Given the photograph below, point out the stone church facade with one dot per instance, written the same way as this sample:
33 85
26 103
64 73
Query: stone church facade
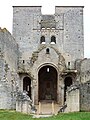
45 57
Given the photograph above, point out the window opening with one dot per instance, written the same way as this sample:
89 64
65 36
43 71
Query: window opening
48 69
68 65
53 40
67 83
23 61
47 51
42 40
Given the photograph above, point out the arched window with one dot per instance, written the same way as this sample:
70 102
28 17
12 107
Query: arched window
53 40
42 40
67 83
27 85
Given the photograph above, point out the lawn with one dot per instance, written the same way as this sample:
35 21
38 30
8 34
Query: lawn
12 115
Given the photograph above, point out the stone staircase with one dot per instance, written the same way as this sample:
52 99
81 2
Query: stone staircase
47 108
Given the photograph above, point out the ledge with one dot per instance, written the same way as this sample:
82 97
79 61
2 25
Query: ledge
70 6
26 6
69 71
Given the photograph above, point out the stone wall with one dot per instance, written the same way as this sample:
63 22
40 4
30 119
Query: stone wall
85 70
25 29
30 55
8 49
73 31
85 96
68 30
8 68
5 96
73 99
85 85
23 103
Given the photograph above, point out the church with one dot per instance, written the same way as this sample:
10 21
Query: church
43 60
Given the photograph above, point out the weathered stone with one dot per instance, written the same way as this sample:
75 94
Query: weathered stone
23 103
46 68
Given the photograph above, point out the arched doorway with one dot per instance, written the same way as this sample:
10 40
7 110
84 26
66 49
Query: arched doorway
67 83
27 85
47 77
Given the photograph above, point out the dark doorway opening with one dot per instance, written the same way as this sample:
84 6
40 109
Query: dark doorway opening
47 77
67 83
27 85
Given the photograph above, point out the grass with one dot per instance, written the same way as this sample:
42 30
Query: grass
12 115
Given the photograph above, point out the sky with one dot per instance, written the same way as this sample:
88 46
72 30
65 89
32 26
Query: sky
48 7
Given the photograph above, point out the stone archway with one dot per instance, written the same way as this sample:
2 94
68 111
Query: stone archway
67 83
47 83
27 85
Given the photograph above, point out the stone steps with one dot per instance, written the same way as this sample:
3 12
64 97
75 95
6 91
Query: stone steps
47 108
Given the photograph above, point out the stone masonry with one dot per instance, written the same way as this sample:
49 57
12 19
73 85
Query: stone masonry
45 57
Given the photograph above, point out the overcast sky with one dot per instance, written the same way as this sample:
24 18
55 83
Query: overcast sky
48 7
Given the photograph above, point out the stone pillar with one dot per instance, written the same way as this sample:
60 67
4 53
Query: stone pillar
23 103
53 109
73 99
18 106
62 94
34 92
36 95
60 91
23 106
